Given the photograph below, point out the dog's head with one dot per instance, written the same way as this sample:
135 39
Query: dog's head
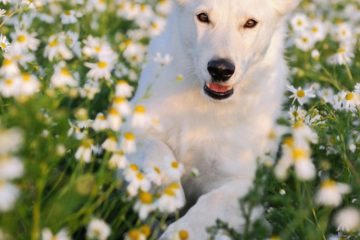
227 37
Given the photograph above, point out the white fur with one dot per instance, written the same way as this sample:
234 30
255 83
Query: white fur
222 139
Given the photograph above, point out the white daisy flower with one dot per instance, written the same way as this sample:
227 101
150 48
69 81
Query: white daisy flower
128 142
114 119
56 48
110 144
62 77
139 182
4 43
330 193
140 118
304 167
10 167
300 95
46 234
100 70
144 205
10 87
68 17
9 193
305 41
347 219
123 89
7 146
154 174
9 67
98 229
100 123
122 106
24 41
344 56
84 152
118 160
299 22
29 84
171 199
318 30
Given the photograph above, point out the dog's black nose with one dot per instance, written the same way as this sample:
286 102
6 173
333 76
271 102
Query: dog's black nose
221 69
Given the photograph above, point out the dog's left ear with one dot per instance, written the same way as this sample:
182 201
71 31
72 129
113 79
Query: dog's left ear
285 6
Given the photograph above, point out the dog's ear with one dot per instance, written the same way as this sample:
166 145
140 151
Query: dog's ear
285 6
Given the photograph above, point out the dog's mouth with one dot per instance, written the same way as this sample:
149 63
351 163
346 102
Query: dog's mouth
217 91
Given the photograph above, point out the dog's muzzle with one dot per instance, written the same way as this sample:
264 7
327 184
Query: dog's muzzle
217 91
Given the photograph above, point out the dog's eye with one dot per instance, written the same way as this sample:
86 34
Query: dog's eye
203 17
251 23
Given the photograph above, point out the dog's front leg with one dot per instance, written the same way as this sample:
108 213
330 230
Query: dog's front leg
221 203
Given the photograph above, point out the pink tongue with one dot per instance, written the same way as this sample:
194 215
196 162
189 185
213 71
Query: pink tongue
218 88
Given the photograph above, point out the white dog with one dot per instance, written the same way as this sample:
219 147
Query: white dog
217 119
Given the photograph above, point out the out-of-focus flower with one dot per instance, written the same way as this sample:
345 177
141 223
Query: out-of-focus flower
114 119
110 144
118 160
4 43
123 89
62 77
330 193
140 118
68 17
171 199
128 143
10 167
144 205
9 193
347 219
84 151
100 123
46 234
98 229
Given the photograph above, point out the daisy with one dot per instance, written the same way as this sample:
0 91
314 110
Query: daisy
296 114
128 143
10 140
144 205
164 7
154 174
299 22
118 160
347 219
46 234
68 17
174 170
98 229
9 67
134 52
123 89
10 167
100 69
114 119
171 199
157 26
300 95
330 193
10 87
9 193
4 44
84 151
344 56
62 77
304 167
56 48
350 100
29 84
184 235
122 106
140 119
100 123
139 182
110 144
23 40
318 30
305 41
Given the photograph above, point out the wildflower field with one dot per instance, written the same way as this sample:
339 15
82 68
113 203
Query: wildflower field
67 74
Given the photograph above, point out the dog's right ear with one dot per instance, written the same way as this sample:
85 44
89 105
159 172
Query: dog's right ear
285 6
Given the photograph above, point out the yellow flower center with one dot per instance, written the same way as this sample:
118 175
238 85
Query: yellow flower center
101 117
102 64
298 154
169 191
299 23
9 82
300 93
87 143
314 29
67 12
183 234
140 176
113 111
140 109
97 49
3 45
26 77
349 96
7 62
328 184
145 230
342 50
175 164
121 82
119 100
129 136
157 170
64 71
134 234
53 43
21 38
305 39
134 167
146 197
